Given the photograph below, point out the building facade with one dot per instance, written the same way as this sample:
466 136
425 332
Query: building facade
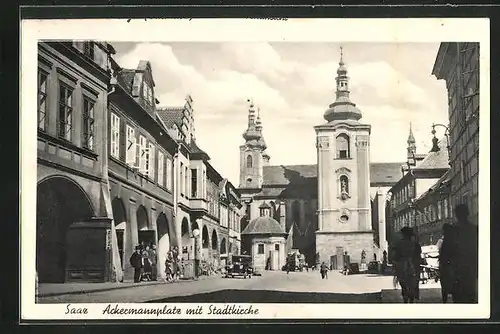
343 150
72 218
141 173
298 186
458 65
417 181
433 210
265 239
115 171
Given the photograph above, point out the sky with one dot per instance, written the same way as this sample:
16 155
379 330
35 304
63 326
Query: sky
293 84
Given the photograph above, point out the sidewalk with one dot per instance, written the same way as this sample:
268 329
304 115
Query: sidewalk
430 293
60 289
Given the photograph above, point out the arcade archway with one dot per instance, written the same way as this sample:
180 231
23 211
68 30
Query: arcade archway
205 242
223 246
60 203
164 242
185 235
145 235
215 241
120 220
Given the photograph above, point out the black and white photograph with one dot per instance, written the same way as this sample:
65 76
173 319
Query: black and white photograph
253 169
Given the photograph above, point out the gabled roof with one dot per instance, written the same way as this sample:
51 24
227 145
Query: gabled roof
263 225
283 175
380 173
385 172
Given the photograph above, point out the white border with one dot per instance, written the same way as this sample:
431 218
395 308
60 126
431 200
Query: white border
312 30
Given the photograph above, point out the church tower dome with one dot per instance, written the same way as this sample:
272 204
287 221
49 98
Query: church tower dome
343 108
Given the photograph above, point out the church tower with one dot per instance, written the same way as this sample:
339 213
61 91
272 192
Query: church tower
343 151
253 154
411 150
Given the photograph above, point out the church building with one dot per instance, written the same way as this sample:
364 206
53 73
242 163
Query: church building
326 207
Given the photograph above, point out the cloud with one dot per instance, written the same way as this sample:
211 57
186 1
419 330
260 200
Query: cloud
293 84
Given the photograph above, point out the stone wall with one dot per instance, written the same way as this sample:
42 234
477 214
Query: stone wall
354 243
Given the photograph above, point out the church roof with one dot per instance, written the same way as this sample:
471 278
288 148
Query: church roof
380 173
263 225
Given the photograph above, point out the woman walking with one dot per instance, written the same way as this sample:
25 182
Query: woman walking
324 271
404 256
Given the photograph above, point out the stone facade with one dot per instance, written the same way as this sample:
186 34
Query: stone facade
268 252
458 65
330 244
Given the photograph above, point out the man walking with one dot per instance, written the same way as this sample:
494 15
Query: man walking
136 263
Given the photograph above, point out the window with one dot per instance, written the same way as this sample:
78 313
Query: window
182 179
194 183
88 49
440 210
186 180
260 249
143 156
115 136
65 111
88 123
277 247
130 157
161 171
42 100
249 161
342 145
147 94
150 161
168 174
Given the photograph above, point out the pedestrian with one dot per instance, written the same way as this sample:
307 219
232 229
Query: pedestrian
153 259
403 259
287 265
418 261
169 273
136 263
466 264
447 258
146 264
324 270
384 262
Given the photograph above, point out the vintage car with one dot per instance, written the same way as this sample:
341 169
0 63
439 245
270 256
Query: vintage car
240 265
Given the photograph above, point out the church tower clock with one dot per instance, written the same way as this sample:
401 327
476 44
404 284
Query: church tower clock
343 152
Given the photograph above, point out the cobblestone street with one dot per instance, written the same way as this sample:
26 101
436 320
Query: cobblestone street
271 287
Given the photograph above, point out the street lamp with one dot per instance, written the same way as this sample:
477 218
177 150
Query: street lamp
435 147
196 234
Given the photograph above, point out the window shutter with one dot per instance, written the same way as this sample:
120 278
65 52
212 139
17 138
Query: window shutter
122 141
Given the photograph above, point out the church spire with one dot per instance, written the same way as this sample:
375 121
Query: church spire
343 108
251 132
412 147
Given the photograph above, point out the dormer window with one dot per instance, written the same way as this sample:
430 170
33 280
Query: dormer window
264 212
88 49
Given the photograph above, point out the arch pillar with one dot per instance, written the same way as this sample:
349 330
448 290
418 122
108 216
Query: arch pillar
132 235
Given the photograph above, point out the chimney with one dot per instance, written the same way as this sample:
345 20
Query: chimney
283 216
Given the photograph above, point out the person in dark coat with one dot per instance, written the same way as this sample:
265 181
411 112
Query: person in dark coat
153 259
324 270
447 259
404 260
136 263
466 265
